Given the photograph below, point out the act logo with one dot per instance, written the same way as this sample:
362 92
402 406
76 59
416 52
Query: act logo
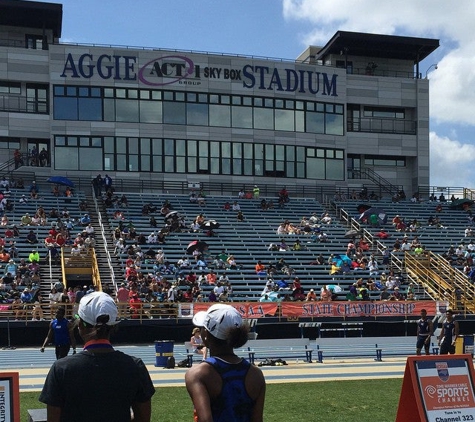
167 70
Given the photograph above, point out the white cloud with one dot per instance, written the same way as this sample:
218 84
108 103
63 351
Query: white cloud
451 162
451 22
452 92
452 86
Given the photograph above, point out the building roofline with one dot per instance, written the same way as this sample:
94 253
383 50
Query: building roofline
32 14
379 46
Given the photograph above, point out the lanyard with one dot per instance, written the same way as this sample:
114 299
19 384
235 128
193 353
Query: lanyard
97 344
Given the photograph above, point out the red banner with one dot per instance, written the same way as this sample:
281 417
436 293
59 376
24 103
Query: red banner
246 309
332 309
359 309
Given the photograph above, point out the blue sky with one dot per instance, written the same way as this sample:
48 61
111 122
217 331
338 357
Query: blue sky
284 28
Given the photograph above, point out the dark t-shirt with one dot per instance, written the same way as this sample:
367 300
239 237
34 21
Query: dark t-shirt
99 387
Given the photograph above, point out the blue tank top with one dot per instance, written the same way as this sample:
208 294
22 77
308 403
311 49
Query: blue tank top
449 331
423 325
61 332
233 403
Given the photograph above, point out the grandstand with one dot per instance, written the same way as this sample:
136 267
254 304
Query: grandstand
249 242
365 129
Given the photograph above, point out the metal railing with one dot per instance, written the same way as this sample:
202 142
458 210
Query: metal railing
106 244
378 125
443 281
383 184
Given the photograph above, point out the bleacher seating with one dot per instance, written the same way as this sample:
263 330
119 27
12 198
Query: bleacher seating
248 241
48 201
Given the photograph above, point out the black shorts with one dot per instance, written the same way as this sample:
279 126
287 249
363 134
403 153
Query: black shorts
421 344
62 351
447 348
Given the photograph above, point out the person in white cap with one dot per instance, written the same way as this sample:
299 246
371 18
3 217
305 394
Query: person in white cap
225 387
98 384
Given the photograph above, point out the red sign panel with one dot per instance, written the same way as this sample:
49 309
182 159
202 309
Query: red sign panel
331 309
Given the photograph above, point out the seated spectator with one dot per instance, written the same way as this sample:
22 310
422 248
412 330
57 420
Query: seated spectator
34 256
322 237
240 216
201 264
37 311
326 219
236 206
284 195
11 268
201 199
397 295
297 246
25 220
283 247
373 267
34 190
123 201
335 269
325 294
311 296
405 245
26 297
363 244
85 220
152 238
193 198
212 296
9 233
265 298
18 308
227 206
4 256
383 234
232 264
281 230
397 246
260 269
211 278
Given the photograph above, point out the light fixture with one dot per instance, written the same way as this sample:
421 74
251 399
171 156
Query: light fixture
430 67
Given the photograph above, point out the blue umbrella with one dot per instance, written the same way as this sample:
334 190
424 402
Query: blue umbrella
382 216
61 180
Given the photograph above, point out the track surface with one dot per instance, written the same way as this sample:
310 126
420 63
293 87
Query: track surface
32 365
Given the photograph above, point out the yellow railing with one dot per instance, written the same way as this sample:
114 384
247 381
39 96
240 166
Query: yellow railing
441 280
140 312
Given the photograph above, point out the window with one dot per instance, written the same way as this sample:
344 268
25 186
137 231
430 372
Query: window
385 161
194 109
35 42
12 88
384 113
37 98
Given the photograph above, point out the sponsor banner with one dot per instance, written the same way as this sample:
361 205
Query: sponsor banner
9 397
331 309
358 309
447 390
246 309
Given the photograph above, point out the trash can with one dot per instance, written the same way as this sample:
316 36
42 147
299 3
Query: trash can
163 350
464 344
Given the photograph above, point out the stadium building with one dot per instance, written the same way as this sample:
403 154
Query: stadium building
351 113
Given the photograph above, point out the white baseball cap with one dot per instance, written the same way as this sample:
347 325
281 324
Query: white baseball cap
218 320
95 305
